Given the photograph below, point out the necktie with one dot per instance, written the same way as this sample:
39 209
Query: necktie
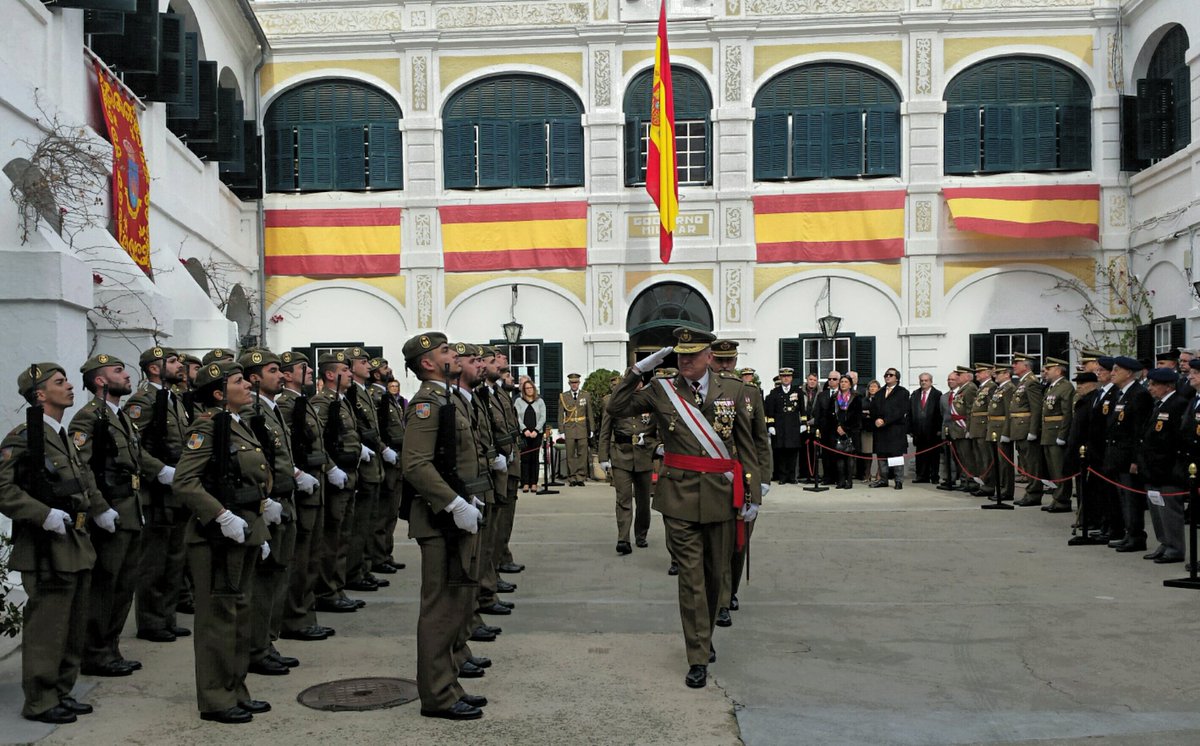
924 398
696 393
575 395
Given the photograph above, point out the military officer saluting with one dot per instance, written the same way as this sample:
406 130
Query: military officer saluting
577 424
1058 407
1025 424
46 491
627 452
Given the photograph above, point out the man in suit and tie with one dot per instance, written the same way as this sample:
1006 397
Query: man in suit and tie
925 424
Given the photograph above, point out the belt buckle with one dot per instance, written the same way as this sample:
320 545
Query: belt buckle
135 481
80 521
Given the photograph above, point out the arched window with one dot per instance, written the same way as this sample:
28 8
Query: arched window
513 131
826 121
1164 99
1018 114
693 107
333 134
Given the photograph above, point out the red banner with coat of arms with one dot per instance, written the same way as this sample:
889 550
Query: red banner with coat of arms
130 178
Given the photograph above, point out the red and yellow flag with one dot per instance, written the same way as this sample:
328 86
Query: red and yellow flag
131 178
661 182
830 227
348 242
532 235
1047 211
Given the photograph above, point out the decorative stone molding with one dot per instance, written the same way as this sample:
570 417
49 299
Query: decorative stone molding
924 3
307 22
602 78
923 290
923 51
604 226
420 83
733 222
424 301
493 15
604 294
923 216
733 73
977 4
733 295
422 230
820 7
1118 212
600 9
419 19
1114 60
733 7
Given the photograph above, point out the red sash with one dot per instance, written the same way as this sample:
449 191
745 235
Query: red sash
706 465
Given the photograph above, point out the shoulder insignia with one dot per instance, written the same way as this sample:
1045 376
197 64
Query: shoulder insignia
135 411
79 438
421 410
195 440
6 453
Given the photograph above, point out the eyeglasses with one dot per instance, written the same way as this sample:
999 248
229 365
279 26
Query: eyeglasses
889 375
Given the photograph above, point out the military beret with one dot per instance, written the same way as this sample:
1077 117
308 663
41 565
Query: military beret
690 341
218 353
463 349
356 353
1105 361
1086 377
375 363
216 371
329 358
421 344
35 375
725 348
257 359
1168 355
786 372
487 351
746 372
155 354
1128 363
1194 363
1057 361
290 358
95 362
1163 375
573 377
963 369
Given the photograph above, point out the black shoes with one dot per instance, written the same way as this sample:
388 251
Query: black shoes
56 715
337 605
480 661
231 716
1158 552
723 618
255 706
733 602
459 711
1136 545
1057 507
624 548
482 634
673 569
496 609
286 660
470 671
697 677
185 607
1168 559
78 708
503 586
898 485
506 604
1028 502
363 585
474 700
946 486
110 669
157 635
510 567
308 634
878 483
387 568
642 543
269 667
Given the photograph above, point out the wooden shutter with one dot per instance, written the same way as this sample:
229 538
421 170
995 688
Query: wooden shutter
350 153
1129 135
495 154
458 154
385 154
532 154
1179 333
961 141
863 360
281 159
172 59
809 144
122 6
634 174
1145 342
883 141
246 181
845 142
999 147
136 50
982 350
188 104
1156 119
552 377
1036 136
791 353
770 146
566 152
1075 137
315 157
1057 344
1181 85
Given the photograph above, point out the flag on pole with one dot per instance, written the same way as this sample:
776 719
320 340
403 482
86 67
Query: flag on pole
661 182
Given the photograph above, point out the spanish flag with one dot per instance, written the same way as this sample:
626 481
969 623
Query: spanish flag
1051 211
830 227
538 235
661 182
351 242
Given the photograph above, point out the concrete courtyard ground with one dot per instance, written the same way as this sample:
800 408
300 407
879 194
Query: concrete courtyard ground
871 617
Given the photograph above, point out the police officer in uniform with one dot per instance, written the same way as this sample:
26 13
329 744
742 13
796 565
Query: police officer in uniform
444 522
345 450
998 433
109 446
49 503
1058 407
577 425
983 448
374 455
1025 425
627 452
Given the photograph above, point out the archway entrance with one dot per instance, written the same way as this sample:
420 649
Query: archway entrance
661 308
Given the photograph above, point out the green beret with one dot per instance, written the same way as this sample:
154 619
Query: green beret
215 372
462 348
190 359
219 353
328 358
356 353
375 363
289 359
156 354
422 343
257 359
95 362
35 375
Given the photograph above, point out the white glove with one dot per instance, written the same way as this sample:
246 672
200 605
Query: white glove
606 466
771 430
232 526
336 477
166 475
651 362
1059 442
390 456
107 521
365 455
499 464
306 483
266 549
978 480
1005 439
507 461
765 488
272 512
641 441
660 451
1031 437
803 429
477 502
466 515
591 435
57 521
749 512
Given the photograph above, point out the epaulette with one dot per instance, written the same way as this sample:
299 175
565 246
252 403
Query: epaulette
730 376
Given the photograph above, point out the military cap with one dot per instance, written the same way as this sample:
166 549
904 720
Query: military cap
1001 368
375 363
1021 357
1194 363
1163 375
725 348
216 371
1086 377
328 358
1168 355
1090 353
1128 363
422 343
463 349
190 359
257 359
746 371
95 362
219 353
690 341
1057 361
963 369
290 358
487 351
983 366
1105 361
356 353
155 354
573 377
786 372
775 379
35 375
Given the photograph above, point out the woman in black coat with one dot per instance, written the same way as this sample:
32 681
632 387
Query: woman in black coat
848 418
890 410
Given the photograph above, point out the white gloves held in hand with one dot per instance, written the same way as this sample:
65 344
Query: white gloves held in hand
266 549
365 455
166 475
499 463
606 466
390 456
765 488
1031 437
749 512
660 451
466 515
1059 442
272 512
651 361
107 521
336 477
306 483
771 430
1005 439
57 521
232 526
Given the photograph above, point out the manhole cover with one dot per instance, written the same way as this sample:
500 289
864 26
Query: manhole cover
375 693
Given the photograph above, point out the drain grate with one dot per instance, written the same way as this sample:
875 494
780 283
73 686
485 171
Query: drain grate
373 693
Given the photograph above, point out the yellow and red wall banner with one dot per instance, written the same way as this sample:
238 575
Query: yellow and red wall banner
830 227
130 177
538 235
1050 211
348 242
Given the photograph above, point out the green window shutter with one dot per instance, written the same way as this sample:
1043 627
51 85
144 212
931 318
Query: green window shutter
566 152
552 378
531 154
1179 333
242 175
123 6
386 156
101 22
202 129
864 358
1037 125
221 145
136 50
1075 137
172 59
236 161
458 154
961 141
1144 341
1156 120
791 353
1181 84
495 154
351 164
808 144
999 146
845 142
1129 135
883 141
281 159
188 104
981 349
634 165
770 146
315 157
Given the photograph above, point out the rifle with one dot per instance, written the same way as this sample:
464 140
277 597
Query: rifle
302 451
103 447
383 413
333 432
222 476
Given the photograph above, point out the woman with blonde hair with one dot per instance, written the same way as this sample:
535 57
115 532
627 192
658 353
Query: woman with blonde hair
531 414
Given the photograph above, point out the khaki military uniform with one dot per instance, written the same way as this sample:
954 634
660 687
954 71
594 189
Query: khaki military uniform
506 504
449 556
497 422
1058 406
365 507
697 508
54 569
752 399
960 435
983 448
1025 419
162 560
391 430
222 570
1001 477
335 535
628 443
298 612
116 475
576 423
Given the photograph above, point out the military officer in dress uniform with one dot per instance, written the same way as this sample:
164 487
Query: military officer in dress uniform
506 512
49 503
1025 425
1058 407
306 434
961 400
345 450
787 423
109 446
474 381
1124 428
503 420
982 447
627 452
161 421
391 431
1002 472
577 425
708 440
370 475
224 480
442 511
1158 465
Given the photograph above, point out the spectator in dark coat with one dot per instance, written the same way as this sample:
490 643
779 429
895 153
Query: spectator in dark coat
925 424
846 423
826 423
866 437
890 410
